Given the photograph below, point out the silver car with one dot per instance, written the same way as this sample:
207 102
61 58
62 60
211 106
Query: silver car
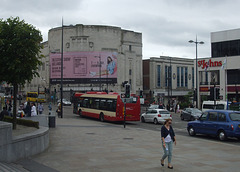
156 116
190 114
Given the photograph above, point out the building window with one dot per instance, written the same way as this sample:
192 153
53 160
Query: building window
206 77
43 66
186 77
130 71
182 76
130 81
193 77
178 77
130 47
226 48
158 75
168 74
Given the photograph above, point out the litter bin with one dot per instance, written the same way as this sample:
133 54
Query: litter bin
52 121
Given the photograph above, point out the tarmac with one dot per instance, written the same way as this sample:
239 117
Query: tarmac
87 145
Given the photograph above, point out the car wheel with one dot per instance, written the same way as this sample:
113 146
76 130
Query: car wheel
222 135
182 118
155 121
191 131
142 119
101 117
192 118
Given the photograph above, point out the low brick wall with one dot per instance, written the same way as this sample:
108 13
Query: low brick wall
13 148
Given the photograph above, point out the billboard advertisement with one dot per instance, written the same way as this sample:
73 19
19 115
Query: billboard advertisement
84 67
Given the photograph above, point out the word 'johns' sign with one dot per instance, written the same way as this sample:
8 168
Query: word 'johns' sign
205 64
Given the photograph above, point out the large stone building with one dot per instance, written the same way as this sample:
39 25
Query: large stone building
167 78
87 52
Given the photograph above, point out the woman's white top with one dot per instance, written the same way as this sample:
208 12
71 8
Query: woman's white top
33 111
168 139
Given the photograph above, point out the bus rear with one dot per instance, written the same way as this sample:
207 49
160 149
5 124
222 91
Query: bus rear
32 97
133 109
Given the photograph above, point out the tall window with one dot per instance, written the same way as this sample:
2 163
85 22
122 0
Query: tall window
186 77
193 77
166 76
158 75
206 77
178 77
182 76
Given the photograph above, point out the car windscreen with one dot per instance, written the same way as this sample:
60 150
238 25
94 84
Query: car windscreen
234 116
153 107
163 112
196 111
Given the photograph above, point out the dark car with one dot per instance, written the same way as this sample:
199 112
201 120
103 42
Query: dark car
190 114
220 123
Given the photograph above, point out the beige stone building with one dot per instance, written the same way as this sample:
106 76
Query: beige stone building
167 78
124 45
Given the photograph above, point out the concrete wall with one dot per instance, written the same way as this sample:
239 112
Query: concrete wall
22 146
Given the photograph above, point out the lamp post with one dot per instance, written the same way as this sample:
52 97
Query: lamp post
61 111
196 42
100 82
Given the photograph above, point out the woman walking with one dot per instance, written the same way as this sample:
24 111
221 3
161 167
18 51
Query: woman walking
168 137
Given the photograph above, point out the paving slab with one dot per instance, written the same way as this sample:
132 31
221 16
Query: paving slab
88 145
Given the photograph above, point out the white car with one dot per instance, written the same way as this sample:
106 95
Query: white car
65 102
156 116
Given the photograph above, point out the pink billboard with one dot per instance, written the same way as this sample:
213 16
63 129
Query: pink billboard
84 67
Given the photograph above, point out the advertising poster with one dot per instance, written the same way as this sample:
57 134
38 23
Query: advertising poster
84 67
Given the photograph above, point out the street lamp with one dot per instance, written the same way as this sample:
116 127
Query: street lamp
196 42
100 82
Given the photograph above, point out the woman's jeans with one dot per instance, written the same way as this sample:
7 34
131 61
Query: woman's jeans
168 151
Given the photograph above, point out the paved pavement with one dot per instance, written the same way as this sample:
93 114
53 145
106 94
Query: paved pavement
86 145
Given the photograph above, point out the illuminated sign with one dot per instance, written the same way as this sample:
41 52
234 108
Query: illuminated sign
210 63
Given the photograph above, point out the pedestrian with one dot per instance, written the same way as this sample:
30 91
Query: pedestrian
10 108
33 110
178 108
168 137
59 110
27 110
40 108
50 108
3 113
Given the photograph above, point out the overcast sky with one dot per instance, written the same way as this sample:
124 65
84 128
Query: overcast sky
166 25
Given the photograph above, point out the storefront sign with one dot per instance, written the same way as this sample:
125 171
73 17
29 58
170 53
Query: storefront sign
210 63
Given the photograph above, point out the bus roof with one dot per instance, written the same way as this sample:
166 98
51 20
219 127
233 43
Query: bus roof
112 96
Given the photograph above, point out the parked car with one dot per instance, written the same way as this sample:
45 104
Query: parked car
65 102
209 105
220 123
156 116
190 114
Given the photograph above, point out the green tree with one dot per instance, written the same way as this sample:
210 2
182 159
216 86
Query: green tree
20 45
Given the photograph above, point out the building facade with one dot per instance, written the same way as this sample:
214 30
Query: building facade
223 68
167 78
87 53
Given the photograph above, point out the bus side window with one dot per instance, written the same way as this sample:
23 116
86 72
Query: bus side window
109 105
96 104
114 105
85 102
103 104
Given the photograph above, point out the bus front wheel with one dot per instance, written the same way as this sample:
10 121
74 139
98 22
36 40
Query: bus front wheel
101 117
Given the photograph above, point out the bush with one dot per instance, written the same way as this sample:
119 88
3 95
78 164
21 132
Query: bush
24 122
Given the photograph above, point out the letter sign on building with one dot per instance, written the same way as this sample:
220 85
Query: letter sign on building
205 64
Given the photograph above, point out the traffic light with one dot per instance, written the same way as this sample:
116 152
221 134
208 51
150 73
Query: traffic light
141 94
194 95
217 93
212 93
127 90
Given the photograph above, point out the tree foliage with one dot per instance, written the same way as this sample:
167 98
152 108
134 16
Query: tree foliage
19 51
20 45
